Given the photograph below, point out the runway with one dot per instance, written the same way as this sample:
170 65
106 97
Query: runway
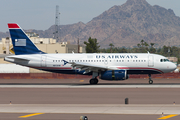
91 108
75 98
54 116
89 95
89 86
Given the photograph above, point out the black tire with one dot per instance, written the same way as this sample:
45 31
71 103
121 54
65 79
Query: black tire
93 81
150 81
96 81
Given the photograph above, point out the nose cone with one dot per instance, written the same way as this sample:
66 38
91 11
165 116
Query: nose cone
173 66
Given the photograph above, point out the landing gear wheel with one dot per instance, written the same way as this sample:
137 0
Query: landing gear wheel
96 81
93 81
150 81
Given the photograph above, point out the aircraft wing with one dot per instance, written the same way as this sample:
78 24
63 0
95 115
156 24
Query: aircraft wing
88 67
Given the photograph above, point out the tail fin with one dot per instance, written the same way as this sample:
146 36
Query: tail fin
21 42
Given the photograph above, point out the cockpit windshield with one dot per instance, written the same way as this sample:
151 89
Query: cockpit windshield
164 60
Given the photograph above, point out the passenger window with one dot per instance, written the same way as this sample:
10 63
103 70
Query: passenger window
99 60
91 60
102 60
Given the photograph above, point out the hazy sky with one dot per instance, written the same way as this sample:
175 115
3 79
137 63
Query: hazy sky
40 14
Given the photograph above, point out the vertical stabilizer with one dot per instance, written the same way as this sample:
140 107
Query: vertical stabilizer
21 42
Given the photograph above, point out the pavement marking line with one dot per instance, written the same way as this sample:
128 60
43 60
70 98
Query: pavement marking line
30 115
168 116
81 81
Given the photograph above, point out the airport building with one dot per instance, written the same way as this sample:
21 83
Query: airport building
47 45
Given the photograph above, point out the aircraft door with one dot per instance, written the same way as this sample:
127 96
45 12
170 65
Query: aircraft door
150 61
43 61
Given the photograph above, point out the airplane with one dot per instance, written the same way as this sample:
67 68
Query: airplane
106 66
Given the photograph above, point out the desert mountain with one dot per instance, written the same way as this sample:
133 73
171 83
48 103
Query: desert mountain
125 25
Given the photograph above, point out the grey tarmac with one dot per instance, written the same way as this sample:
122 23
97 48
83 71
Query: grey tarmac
91 108
57 116
69 99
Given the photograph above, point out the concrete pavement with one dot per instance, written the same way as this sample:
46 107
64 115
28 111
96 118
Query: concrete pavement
91 108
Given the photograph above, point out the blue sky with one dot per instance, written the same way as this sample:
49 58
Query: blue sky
40 14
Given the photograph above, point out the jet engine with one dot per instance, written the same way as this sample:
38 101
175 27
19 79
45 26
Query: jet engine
113 75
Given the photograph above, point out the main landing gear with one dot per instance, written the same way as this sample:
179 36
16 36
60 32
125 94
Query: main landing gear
150 80
93 81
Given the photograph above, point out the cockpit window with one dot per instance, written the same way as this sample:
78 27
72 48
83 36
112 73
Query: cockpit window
164 60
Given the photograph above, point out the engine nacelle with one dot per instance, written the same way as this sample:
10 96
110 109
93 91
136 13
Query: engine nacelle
114 75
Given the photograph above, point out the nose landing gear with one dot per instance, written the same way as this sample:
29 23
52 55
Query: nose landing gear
150 80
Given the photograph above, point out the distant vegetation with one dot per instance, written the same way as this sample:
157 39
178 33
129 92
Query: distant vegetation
142 47
92 45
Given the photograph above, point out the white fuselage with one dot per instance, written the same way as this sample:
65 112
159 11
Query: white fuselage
134 63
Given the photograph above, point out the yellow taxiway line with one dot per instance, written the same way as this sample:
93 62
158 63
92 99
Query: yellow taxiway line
168 116
30 115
